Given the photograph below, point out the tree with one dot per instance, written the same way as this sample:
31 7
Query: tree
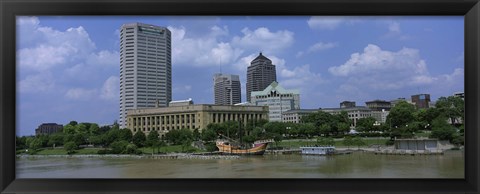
69 128
119 147
125 134
178 136
79 139
307 129
343 128
185 144
21 142
94 129
35 144
358 141
442 130
70 147
131 149
348 141
365 124
153 140
196 135
208 134
56 139
139 139
399 117
451 107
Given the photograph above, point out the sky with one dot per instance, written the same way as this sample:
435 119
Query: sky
68 66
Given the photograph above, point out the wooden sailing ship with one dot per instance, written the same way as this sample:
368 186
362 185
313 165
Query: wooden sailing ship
258 147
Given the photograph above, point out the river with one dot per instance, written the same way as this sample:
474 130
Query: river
355 165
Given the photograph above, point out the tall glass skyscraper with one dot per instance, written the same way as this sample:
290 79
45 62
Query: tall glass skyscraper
260 74
145 67
227 90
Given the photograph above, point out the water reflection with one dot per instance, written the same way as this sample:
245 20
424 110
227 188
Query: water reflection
356 165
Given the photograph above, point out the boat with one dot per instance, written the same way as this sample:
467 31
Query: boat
318 150
258 147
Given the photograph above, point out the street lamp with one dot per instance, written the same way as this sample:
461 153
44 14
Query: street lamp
286 131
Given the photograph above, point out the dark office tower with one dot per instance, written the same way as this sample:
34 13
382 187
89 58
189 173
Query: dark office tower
421 100
145 67
227 90
260 74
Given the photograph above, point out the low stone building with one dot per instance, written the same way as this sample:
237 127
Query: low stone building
190 116
48 128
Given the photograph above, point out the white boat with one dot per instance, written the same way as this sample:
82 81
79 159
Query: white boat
318 150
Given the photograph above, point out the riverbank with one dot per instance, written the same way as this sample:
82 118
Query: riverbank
128 156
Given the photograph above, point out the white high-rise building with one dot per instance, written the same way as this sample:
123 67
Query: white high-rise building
278 100
145 67
226 89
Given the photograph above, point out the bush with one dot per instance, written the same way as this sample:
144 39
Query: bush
211 147
70 147
101 152
119 147
131 149
390 142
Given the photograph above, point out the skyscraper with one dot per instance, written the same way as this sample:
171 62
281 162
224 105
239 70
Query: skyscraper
260 74
145 67
227 89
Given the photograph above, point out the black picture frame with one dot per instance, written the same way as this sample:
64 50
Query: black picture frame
470 9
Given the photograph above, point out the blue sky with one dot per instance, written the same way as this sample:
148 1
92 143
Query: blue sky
68 67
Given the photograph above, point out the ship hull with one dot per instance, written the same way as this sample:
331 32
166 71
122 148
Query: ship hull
259 149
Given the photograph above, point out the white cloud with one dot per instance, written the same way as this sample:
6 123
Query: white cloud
394 27
301 77
395 31
262 39
43 48
105 58
110 89
379 70
37 83
320 46
81 94
206 51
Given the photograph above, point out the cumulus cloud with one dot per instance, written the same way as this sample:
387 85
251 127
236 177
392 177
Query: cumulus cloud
110 89
206 51
320 46
395 31
37 83
264 40
104 58
301 77
378 70
81 94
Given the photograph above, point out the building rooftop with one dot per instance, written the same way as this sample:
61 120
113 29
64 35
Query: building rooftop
274 86
261 57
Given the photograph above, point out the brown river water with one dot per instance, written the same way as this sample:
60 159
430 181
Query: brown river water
355 165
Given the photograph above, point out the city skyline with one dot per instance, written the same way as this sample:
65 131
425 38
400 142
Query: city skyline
68 67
